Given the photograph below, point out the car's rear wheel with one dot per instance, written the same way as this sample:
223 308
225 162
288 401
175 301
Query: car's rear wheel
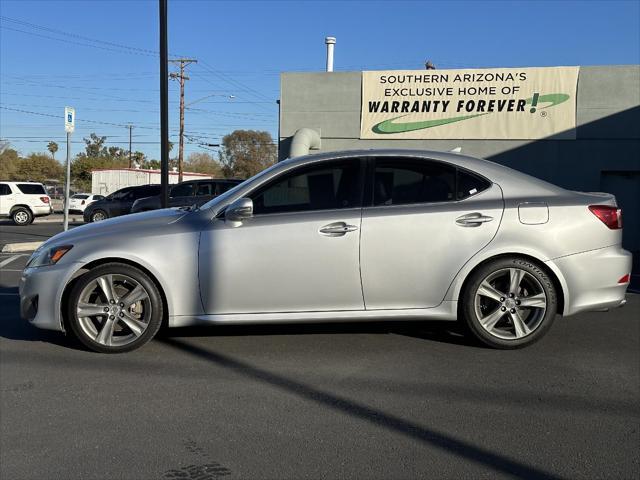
509 303
115 308
22 216
98 216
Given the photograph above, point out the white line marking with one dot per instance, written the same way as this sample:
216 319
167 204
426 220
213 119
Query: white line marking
10 259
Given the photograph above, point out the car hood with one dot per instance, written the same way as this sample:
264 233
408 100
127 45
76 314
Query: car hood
124 226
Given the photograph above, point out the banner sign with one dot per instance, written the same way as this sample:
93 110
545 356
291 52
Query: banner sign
495 103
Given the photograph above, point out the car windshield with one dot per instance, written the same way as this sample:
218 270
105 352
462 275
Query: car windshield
222 198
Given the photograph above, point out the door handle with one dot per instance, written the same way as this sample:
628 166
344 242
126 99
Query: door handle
473 220
337 229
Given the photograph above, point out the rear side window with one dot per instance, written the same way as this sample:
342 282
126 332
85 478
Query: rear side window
403 182
32 189
80 197
470 184
223 187
205 189
5 189
98 197
182 190
147 191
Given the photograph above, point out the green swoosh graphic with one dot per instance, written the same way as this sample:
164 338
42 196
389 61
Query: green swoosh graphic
554 98
389 127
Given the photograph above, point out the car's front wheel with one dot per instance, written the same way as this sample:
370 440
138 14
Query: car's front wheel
98 216
115 308
509 303
22 216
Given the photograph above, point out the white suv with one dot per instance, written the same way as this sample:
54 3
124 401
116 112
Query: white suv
23 201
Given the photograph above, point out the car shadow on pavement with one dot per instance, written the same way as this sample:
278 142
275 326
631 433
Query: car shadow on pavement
436 331
14 328
440 440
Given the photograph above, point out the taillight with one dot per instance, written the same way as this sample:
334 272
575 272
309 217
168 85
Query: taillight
625 279
610 216
44 199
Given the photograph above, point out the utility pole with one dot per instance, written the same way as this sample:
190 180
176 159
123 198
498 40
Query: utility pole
164 105
130 127
182 77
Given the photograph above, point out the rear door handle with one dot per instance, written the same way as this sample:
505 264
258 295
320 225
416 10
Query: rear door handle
473 219
337 229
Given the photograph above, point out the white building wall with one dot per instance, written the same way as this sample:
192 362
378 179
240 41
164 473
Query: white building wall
104 182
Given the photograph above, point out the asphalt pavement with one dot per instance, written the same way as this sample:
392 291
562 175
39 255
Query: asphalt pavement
373 400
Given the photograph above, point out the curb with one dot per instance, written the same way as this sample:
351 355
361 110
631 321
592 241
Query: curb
21 247
58 220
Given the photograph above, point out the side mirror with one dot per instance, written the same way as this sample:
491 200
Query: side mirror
239 210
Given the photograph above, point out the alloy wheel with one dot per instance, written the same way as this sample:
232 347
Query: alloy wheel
510 303
114 310
98 216
21 217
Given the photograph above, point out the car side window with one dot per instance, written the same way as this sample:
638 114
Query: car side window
144 192
222 187
121 194
470 184
182 190
404 181
205 189
5 189
327 186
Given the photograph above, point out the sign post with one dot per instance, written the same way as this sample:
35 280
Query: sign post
69 125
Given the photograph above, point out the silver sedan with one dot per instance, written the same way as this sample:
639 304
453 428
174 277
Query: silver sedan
350 236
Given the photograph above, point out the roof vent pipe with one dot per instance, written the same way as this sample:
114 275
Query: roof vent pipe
304 140
330 42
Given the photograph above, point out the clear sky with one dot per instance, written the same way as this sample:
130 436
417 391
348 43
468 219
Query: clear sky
100 56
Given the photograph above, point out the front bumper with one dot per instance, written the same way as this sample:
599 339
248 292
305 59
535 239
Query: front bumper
41 291
591 279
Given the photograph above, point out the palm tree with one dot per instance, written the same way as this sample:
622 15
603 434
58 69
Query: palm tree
53 148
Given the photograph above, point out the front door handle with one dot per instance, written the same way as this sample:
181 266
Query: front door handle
337 229
473 219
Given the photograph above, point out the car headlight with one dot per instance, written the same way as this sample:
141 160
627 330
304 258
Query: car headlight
48 256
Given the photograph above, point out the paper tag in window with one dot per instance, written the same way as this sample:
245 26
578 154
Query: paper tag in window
473 191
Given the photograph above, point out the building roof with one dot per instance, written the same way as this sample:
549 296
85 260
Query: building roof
186 174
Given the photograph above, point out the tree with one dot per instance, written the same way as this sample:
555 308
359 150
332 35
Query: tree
39 167
53 148
201 162
8 163
96 155
246 152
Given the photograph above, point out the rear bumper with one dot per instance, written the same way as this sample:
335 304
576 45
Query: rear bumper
591 279
41 211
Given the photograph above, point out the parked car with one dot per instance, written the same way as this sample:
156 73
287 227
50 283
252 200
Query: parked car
23 201
80 201
353 236
192 192
118 203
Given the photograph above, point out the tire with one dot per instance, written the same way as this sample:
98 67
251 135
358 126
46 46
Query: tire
22 216
504 317
124 326
98 216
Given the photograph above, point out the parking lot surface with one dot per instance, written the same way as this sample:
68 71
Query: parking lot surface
367 401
